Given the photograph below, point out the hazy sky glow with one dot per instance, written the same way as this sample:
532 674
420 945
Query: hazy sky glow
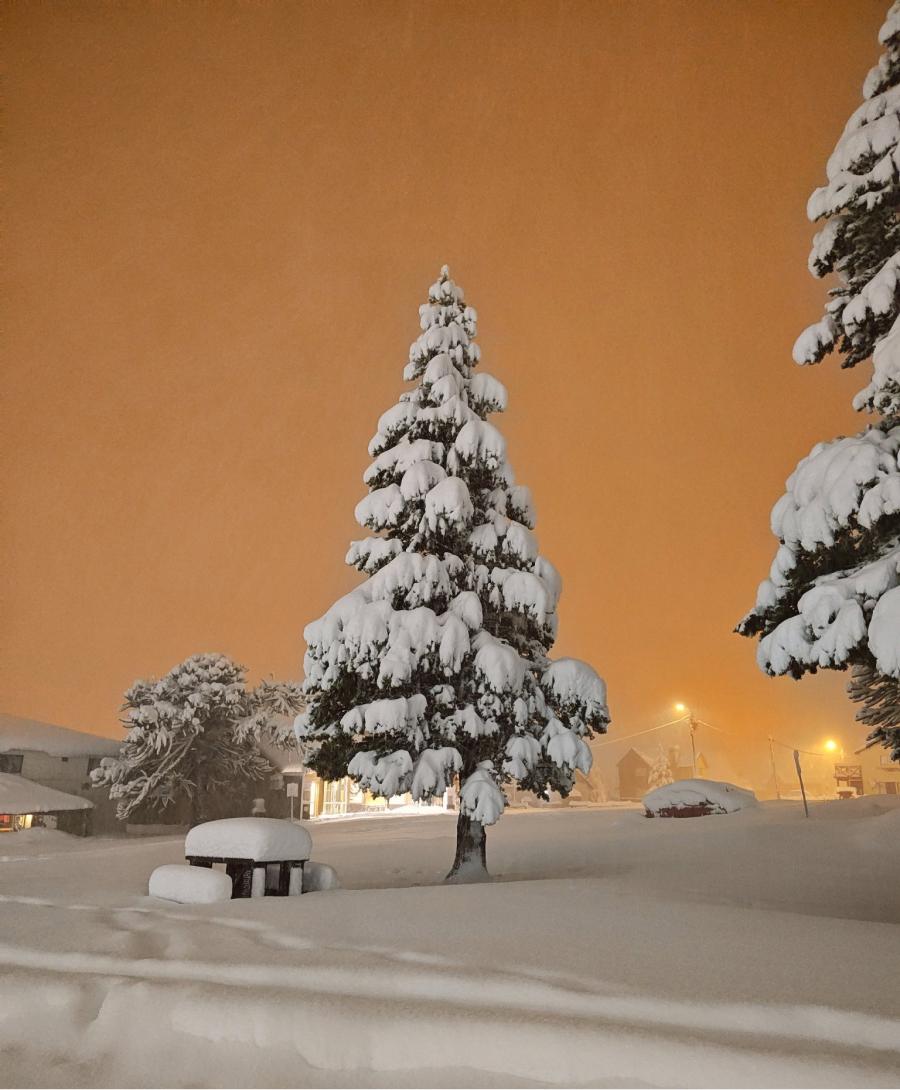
221 219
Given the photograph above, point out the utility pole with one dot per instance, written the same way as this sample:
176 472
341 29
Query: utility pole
774 770
693 726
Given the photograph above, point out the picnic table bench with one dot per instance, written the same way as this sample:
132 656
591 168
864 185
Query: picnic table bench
249 848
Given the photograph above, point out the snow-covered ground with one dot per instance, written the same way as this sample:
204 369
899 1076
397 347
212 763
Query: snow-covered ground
748 949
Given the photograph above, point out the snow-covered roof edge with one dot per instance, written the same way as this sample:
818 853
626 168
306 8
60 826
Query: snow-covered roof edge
19 734
21 796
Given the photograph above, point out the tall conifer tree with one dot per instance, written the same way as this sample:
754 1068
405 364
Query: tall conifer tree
832 598
437 665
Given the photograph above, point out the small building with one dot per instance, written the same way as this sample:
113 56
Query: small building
25 804
870 772
634 775
60 759
316 797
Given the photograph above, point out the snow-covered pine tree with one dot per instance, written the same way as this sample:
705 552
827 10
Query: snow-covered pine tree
832 598
661 770
437 665
193 734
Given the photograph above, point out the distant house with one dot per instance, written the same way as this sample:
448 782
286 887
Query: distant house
321 798
683 764
59 759
871 772
25 804
634 775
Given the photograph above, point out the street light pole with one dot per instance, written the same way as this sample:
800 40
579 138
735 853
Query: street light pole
688 714
774 771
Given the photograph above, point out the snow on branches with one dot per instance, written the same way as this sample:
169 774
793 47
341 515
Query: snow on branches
436 665
832 598
193 733
860 239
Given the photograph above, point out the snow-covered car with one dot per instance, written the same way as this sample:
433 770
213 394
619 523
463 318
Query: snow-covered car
697 798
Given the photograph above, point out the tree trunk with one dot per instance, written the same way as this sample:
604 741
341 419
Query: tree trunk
200 798
470 864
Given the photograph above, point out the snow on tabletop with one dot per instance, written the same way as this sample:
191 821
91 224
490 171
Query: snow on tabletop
21 796
190 885
724 798
265 840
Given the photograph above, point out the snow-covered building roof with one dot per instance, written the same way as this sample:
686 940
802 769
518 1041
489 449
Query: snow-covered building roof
286 760
21 796
18 734
641 756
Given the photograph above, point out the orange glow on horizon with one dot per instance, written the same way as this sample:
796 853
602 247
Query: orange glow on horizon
221 222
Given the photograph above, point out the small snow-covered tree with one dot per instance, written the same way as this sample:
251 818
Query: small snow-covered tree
437 665
661 770
193 734
832 598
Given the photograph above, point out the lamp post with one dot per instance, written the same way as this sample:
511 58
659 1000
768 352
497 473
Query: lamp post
683 709
774 769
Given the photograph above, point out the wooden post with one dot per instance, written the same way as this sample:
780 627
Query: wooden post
284 879
800 778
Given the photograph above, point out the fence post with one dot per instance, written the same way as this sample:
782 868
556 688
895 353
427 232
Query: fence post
800 778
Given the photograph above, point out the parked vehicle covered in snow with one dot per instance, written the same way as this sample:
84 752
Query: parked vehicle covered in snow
697 798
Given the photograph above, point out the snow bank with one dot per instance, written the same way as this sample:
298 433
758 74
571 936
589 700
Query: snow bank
264 840
598 983
190 885
723 798
319 876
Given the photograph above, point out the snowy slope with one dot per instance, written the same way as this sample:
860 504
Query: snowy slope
612 950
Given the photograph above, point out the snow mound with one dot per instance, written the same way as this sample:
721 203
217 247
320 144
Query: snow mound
190 885
319 876
717 796
264 840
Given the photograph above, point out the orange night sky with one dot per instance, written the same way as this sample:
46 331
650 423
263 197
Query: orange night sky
220 221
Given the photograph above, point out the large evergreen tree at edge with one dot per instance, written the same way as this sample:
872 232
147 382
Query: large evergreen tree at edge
437 665
832 598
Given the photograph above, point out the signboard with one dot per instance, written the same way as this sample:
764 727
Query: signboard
293 790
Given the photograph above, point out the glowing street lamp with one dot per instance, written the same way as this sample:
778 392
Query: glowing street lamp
684 710
831 746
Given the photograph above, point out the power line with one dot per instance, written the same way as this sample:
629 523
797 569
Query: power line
637 734
808 752
711 726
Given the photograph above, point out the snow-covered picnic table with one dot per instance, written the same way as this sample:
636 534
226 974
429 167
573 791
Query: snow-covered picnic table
248 847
